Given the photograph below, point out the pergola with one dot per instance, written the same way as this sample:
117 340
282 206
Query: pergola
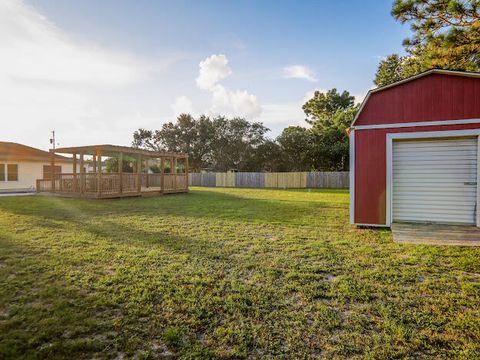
108 171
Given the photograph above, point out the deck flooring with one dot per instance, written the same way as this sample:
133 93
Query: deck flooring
436 234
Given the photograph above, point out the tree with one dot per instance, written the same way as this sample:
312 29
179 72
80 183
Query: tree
297 144
389 70
129 162
268 156
188 135
446 33
219 143
395 68
330 114
143 138
321 106
332 150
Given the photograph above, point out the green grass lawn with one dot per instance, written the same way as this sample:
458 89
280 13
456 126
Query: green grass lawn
226 273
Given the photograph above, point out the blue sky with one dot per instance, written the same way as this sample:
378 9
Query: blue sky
114 66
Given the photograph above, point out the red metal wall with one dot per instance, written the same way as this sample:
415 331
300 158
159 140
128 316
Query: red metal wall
429 98
371 170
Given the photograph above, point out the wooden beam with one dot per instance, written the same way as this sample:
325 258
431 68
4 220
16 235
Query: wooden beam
52 169
186 171
99 175
74 173
82 174
139 174
174 166
162 176
120 171
95 163
113 149
147 184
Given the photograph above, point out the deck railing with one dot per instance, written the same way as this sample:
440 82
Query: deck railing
112 184
152 180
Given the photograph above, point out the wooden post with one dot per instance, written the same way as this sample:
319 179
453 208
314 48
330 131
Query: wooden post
74 187
94 163
174 166
82 174
99 175
162 174
120 171
139 174
147 183
186 172
60 182
52 169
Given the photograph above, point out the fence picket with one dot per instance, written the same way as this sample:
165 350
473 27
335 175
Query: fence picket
280 180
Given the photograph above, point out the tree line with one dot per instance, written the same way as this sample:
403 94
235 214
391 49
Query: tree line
446 35
222 144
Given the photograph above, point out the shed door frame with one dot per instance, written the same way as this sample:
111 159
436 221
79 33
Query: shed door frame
426 135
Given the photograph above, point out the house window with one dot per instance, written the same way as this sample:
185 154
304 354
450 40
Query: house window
12 172
47 172
2 172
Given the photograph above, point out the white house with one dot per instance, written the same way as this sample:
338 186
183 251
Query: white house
21 166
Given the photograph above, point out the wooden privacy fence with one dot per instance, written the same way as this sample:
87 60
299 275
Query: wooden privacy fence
282 180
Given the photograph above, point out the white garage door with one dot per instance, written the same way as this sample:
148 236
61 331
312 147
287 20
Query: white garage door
435 180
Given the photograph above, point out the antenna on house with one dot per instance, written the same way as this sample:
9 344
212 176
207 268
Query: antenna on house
52 139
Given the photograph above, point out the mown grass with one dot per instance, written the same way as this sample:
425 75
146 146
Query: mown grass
226 273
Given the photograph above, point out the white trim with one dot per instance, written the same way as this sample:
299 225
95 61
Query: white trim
352 176
477 210
433 134
388 190
417 124
362 105
416 135
411 78
373 225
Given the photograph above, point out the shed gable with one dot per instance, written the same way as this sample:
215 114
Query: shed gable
432 97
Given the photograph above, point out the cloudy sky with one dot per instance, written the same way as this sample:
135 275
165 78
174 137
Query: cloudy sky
95 71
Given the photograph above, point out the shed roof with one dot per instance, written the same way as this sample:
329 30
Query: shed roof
10 151
410 79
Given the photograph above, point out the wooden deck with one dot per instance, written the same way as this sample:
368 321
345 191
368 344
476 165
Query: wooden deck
436 234
113 171
113 185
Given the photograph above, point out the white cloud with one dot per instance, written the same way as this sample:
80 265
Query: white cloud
49 80
182 105
277 116
212 70
33 49
299 72
379 57
234 103
225 101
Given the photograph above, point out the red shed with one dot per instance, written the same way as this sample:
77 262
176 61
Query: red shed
414 151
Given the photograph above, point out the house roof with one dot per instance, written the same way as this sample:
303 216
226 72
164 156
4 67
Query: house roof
10 151
412 78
